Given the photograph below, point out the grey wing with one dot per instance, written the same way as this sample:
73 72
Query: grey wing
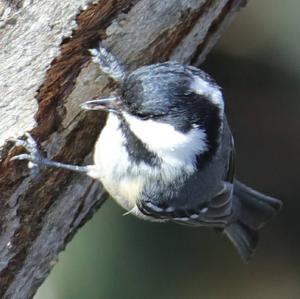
216 212
219 207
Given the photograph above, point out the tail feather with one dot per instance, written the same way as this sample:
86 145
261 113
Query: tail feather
243 238
251 211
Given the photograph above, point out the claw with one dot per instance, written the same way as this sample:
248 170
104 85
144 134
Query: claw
21 157
33 156
36 160
18 142
30 140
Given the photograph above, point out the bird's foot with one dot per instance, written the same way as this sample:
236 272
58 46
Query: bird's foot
33 155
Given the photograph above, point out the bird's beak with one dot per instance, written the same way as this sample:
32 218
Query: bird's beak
111 104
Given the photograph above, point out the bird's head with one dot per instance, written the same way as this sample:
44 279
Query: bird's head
169 106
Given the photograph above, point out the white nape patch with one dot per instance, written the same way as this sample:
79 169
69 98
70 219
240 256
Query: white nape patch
173 147
213 93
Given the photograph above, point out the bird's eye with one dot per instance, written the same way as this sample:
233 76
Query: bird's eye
149 116
146 116
142 115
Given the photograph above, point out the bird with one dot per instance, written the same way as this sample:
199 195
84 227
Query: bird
166 152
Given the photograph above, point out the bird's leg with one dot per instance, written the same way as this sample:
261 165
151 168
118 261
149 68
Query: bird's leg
36 160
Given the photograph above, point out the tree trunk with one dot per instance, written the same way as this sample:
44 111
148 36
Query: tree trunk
46 73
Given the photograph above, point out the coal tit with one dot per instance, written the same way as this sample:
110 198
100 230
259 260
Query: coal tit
166 152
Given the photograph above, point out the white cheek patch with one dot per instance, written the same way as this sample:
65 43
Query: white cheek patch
168 143
213 94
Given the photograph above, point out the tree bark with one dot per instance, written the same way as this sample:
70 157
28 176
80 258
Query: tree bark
46 73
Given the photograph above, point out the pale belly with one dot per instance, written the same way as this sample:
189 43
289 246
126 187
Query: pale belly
123 179
118 176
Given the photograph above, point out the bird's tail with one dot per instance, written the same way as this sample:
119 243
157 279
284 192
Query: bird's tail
251 211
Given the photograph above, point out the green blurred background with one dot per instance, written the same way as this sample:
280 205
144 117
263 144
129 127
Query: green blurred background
257 62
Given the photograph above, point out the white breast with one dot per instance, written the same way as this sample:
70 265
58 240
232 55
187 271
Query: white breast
124 179
114 167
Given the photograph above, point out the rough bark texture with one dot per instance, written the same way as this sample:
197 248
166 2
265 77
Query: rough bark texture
45 74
